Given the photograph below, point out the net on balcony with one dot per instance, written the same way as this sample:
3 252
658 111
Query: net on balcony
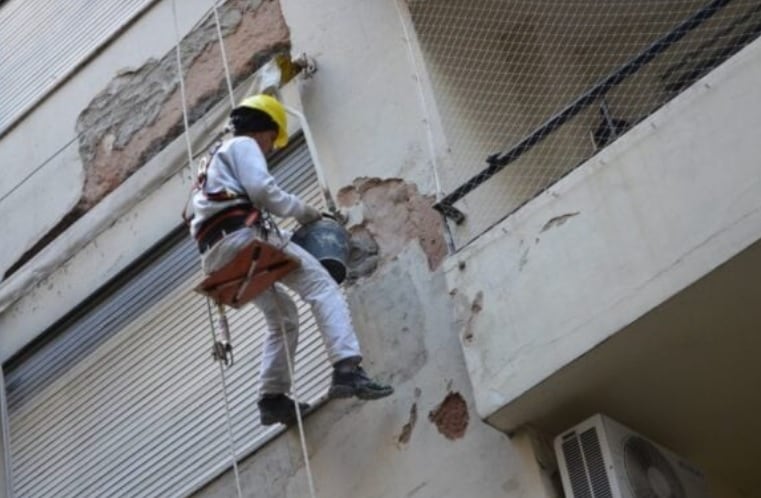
529 89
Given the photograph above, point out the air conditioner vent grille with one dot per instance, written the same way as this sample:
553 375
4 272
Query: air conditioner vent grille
598 474
575 464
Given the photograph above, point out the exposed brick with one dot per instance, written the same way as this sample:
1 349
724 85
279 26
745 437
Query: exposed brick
393 214
451 416
140 111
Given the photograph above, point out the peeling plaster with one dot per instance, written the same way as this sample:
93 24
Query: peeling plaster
394 213
363 254
475 308
451 416
404 436
140 111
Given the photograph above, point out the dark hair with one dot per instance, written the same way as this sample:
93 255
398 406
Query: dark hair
247 120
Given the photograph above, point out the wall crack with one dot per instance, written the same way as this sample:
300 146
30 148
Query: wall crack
558 221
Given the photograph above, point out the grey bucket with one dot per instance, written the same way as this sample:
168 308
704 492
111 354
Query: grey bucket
328 241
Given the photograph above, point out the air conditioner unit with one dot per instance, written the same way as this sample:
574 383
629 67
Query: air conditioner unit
600 458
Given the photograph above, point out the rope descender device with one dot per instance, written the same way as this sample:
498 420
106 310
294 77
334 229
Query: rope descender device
222 350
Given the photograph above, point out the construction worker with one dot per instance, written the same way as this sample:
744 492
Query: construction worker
238 183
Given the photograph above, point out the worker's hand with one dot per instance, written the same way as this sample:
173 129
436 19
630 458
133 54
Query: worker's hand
309 215
336 216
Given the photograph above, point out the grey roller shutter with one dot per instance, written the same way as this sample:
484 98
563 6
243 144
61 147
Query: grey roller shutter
43 41
126 401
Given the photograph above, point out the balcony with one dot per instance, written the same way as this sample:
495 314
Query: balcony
629 286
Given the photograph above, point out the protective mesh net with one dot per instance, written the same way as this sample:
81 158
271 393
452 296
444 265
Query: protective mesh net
542 85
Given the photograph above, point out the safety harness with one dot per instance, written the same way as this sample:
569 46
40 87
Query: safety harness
227 220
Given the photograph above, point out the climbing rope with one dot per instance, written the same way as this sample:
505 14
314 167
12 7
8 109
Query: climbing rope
228 79
230 436
208 305
299 420
182 85
283 331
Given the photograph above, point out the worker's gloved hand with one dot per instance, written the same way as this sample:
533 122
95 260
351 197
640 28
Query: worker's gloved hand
309 215
336 216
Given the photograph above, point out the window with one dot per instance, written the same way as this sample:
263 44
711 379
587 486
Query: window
124 398
41 43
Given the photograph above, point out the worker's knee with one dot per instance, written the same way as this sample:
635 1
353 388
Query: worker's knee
290 314
319 286
278 309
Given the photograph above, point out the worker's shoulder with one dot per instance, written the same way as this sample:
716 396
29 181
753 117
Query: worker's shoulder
239 141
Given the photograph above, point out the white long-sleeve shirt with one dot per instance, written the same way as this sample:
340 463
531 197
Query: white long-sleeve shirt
239 167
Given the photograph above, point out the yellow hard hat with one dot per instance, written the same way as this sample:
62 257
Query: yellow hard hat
275 110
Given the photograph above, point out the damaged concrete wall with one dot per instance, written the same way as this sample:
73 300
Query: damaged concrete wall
426 440
384 215
140 112
392 448
372 135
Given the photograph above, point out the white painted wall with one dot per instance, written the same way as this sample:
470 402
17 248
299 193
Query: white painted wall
670 201
365 105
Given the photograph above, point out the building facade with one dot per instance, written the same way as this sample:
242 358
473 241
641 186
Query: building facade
555 210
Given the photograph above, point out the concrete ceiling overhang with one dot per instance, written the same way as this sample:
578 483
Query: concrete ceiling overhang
686 374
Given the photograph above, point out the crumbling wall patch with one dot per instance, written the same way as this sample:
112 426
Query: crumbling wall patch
393 213
475 308
404 436
363 254
451 417
558 220
140 111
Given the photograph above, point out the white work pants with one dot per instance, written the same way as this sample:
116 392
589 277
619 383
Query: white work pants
314 285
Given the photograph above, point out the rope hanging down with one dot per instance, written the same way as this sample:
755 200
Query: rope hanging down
222 50
183 100
296 400
299 419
